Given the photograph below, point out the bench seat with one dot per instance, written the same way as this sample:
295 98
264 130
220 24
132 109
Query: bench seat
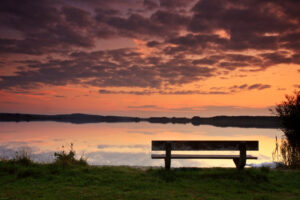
192 156
170 146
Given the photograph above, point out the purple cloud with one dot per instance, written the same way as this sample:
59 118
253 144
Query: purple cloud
189 41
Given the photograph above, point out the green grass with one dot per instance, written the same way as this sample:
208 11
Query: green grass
53 181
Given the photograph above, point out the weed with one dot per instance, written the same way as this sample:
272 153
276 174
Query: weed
23 156
68 159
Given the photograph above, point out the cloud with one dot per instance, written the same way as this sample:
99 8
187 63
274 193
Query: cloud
212 91
245 87
162 92
144 106
182 41
297 86
258 86
46 29
143 92
142 132
280 89
122 67
172 4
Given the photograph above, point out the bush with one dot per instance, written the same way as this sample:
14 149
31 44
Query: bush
23 156
289 114
68 159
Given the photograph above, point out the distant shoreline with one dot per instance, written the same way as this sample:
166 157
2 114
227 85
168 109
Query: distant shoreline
219 121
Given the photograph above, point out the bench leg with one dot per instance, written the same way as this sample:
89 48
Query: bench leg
167 163
168 157
239 163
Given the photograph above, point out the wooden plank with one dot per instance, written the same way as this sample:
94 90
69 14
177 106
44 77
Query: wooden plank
205 145
193 156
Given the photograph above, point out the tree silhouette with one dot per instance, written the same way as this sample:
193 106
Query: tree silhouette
289 114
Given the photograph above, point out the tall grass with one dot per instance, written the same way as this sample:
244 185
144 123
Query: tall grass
67 159
62 158
23 156
289 114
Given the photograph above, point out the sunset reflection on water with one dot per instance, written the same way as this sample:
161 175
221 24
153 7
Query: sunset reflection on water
125 143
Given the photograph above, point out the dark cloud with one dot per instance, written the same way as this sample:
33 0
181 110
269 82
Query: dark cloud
186 92
47 26
123 67
171 4
143 92
190 41
77 17
276 58
163 92
208 60
151 4
297 86
243 58
244 86
198 41
239 18
169 19
258 86
232 65
160 24
152 43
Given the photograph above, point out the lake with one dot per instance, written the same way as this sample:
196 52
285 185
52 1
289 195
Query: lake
125 143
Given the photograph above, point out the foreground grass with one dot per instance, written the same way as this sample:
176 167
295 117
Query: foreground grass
53 181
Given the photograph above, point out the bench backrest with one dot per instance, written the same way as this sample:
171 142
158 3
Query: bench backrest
204 145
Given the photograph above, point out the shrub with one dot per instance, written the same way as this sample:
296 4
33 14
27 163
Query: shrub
289 114
68 159
23 156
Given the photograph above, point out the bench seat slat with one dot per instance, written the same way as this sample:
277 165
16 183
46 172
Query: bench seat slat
204 145
191 156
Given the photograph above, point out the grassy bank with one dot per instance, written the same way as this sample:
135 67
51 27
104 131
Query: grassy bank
53 181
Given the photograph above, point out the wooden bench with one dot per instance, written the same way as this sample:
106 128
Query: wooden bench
209 145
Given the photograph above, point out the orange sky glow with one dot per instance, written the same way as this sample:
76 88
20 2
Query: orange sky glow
145 58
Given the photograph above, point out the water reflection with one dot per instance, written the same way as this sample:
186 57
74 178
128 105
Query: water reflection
125 143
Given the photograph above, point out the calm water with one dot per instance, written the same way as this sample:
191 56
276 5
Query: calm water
124 143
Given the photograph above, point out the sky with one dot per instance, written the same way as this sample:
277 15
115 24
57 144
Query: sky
148 57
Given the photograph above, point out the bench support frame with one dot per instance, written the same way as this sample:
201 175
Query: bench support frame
168 156
241 161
